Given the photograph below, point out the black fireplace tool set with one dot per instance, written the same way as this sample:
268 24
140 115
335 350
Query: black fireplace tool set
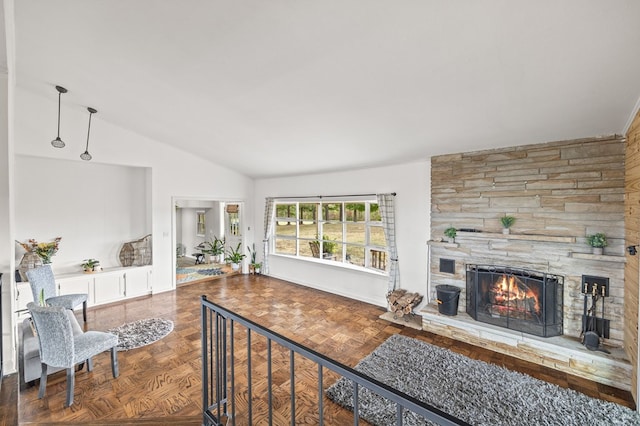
594 327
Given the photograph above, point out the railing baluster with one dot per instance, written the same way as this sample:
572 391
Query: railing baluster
269 382
320 396
356 404
249 389
232 389
292 379
205 365
217 358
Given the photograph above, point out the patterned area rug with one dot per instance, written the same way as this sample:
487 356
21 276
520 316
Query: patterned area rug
199 272
474 391
141 333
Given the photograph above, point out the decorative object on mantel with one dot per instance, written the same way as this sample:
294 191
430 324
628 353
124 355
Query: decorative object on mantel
451 233
474 391
507 221
57 142
598 242
90 266
137 252
85 155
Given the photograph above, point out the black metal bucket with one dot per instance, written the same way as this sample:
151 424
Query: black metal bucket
448 297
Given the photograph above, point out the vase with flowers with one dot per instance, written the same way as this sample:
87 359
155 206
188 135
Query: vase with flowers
43 250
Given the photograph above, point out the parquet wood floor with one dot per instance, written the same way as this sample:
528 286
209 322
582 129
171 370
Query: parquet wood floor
161 383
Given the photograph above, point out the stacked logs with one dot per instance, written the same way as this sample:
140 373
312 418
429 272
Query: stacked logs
402 303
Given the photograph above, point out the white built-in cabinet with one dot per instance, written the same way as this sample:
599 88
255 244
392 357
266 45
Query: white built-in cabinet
110 285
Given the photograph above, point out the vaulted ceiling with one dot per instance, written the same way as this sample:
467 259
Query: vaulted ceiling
284 87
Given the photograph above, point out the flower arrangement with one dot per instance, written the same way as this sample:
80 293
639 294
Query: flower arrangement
43 250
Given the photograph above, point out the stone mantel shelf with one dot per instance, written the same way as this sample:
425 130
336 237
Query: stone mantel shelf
601 257
524 237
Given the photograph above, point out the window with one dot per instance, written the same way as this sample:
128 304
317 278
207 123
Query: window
200 228
345 231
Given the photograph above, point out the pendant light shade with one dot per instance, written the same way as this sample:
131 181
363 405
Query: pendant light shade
57 142
85 155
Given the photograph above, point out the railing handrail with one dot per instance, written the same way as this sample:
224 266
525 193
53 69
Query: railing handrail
407 401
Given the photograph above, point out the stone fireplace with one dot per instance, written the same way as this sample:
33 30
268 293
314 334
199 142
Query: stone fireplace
517 299
559 193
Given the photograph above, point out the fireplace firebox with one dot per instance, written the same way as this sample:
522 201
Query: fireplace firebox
517 299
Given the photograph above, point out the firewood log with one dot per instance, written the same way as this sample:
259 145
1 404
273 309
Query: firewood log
395 295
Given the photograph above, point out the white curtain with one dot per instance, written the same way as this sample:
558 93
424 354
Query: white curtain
268 229
386 203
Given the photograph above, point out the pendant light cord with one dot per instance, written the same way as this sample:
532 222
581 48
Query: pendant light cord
88 132
59 96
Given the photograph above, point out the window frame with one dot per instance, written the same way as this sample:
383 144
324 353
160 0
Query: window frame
298 218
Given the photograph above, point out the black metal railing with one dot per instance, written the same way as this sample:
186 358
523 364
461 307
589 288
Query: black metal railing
234 390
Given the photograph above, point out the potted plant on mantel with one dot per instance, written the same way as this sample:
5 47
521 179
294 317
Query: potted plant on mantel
507 221
451 233
234 257
598 242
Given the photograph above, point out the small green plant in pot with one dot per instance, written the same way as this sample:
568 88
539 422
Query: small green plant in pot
598 242
90 265
507 221
451 233
254 266
234 257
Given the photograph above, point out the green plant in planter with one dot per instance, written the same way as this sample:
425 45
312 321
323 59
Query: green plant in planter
89 264
507 221
451 232
214 247
598 240
235 256
252 253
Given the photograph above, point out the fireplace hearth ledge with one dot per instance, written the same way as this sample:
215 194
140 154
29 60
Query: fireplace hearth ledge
561 353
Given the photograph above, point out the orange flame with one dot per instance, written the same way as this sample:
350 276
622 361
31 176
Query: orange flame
509 290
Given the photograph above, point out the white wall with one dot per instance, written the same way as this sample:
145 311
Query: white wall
95 208
411 182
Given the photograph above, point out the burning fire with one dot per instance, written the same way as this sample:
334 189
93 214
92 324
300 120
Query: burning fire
506 291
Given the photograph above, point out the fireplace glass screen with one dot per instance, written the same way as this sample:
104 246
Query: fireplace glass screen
517 299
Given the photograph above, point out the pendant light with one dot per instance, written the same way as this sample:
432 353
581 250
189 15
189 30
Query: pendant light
57 142
85 155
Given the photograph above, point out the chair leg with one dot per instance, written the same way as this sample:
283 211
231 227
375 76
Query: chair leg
89 364
84 311
71 379
43 381
114 362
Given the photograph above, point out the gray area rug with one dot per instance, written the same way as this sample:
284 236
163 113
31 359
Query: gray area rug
474 391
141 333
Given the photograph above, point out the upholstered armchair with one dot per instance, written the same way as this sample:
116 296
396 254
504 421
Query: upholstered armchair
61 348
42 278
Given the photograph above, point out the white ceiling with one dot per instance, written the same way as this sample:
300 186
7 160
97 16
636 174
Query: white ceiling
283 87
